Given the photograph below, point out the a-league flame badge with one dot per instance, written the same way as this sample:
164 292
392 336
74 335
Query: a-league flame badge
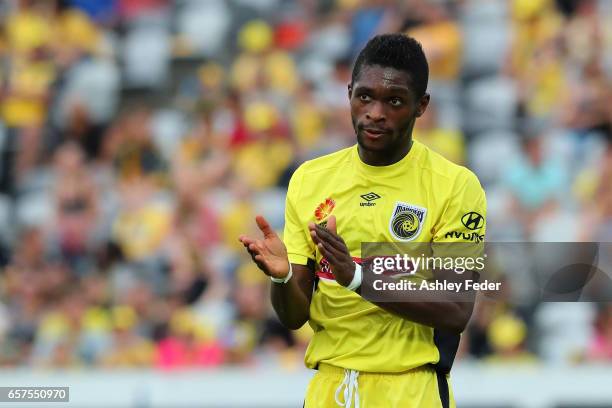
407 221
324 209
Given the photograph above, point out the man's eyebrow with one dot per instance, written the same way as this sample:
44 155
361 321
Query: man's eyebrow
392 88
362 88
396 88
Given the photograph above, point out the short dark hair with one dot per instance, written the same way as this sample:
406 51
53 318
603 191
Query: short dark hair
397 51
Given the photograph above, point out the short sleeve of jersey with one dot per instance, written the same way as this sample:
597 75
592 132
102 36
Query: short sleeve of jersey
464 220
300 247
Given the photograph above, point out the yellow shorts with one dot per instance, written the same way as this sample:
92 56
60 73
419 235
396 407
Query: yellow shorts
333 387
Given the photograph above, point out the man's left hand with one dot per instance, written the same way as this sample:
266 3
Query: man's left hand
333 248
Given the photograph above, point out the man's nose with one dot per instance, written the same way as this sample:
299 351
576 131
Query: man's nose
376 112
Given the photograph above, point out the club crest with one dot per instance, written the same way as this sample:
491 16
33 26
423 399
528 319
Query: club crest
406 221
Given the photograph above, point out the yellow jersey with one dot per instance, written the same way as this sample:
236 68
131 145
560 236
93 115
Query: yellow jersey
448 201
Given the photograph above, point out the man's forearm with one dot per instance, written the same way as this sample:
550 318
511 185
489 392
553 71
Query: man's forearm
451 316
291 300
290 304
441 309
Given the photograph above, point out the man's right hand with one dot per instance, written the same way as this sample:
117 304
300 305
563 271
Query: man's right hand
269 253
291 301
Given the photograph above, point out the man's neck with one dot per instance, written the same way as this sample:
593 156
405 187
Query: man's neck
384 158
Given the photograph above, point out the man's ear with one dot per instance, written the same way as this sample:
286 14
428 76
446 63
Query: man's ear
350 91
423 103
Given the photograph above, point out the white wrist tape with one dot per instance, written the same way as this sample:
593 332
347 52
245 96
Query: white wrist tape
286 278
357 278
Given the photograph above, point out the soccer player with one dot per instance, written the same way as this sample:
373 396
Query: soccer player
386 188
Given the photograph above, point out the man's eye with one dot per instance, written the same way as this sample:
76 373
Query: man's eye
364 98
395 101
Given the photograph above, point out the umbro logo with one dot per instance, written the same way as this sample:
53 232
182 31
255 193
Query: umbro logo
369 197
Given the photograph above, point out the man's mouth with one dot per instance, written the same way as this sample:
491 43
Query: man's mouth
373 132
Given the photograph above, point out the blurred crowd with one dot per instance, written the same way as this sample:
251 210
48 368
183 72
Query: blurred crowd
139 138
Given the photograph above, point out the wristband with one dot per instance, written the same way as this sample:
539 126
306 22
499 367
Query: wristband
285 279
357 278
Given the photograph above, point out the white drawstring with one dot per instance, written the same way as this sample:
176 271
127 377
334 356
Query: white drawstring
349 384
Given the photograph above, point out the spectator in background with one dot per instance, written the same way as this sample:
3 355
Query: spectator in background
446 141
189 344
260 66
127 347
587 32
76 207
188 276
440 36
507 335
442 41
535 23
86 68
26 90
593 187
306 120
30 27
59 337
26 83
600 348
249 328
330 96
372 18
194 215
143 220
103 12
269 138
145 213
476 341
535 56
588 107
31 249
536 182
135 154
603 200
132 10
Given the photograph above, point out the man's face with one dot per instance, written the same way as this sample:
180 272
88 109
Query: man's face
384 108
